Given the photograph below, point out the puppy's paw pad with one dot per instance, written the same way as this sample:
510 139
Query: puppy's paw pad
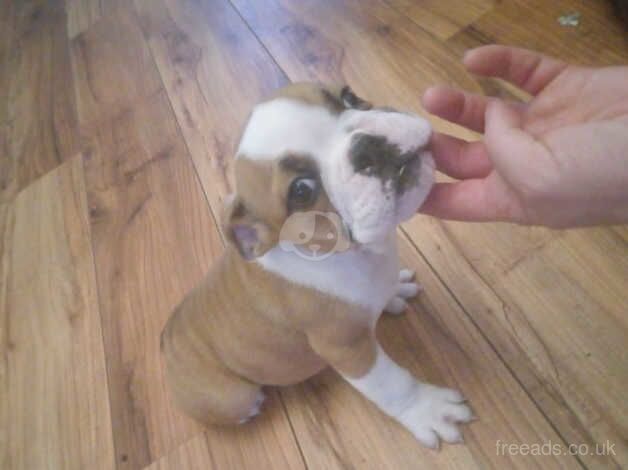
435 414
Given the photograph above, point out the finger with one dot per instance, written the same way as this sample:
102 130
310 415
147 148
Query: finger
458 158
528 70
473 200
456 106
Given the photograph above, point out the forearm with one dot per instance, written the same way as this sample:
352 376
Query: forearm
362 362
427 411
391 387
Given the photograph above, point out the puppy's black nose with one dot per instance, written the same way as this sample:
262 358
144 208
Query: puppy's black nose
374 155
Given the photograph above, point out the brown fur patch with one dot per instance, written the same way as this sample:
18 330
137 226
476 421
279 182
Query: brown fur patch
261 202
243 327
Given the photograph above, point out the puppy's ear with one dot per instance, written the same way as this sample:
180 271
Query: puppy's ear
249 235
351 100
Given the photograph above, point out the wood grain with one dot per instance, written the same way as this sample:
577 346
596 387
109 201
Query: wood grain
599 38
53 382
443 19
203 51
113 68
194 454
37 112
339 41
535 353
154 237
81 14
260 444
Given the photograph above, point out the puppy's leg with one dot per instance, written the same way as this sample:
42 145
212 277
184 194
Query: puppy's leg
212 394
406 289
430 413
206 389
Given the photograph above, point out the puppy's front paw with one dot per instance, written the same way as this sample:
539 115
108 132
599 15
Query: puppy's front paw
406 289
434 414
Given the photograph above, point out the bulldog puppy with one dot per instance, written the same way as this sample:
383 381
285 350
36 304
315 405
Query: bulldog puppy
322 181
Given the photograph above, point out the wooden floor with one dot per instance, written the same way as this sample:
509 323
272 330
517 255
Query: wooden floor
117 124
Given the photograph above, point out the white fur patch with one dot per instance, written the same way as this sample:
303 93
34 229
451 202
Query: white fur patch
283 125
430 413
359 276
388 385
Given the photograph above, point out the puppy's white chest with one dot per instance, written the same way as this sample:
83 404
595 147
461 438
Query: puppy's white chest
361 277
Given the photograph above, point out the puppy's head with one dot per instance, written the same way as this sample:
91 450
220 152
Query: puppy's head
319 170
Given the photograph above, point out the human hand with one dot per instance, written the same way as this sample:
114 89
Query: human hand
560 160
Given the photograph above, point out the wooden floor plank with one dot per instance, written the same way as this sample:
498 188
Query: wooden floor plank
322 44
599 38
113 68
82 14
37 111
193 454
381 53
215 71
263 443
551 359
142 197
443 19
154 237
53 382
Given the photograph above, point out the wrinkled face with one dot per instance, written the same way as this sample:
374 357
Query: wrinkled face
319 170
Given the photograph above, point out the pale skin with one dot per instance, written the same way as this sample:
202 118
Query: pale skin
560 160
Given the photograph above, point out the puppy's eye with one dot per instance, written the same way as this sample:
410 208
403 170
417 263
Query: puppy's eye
303 192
